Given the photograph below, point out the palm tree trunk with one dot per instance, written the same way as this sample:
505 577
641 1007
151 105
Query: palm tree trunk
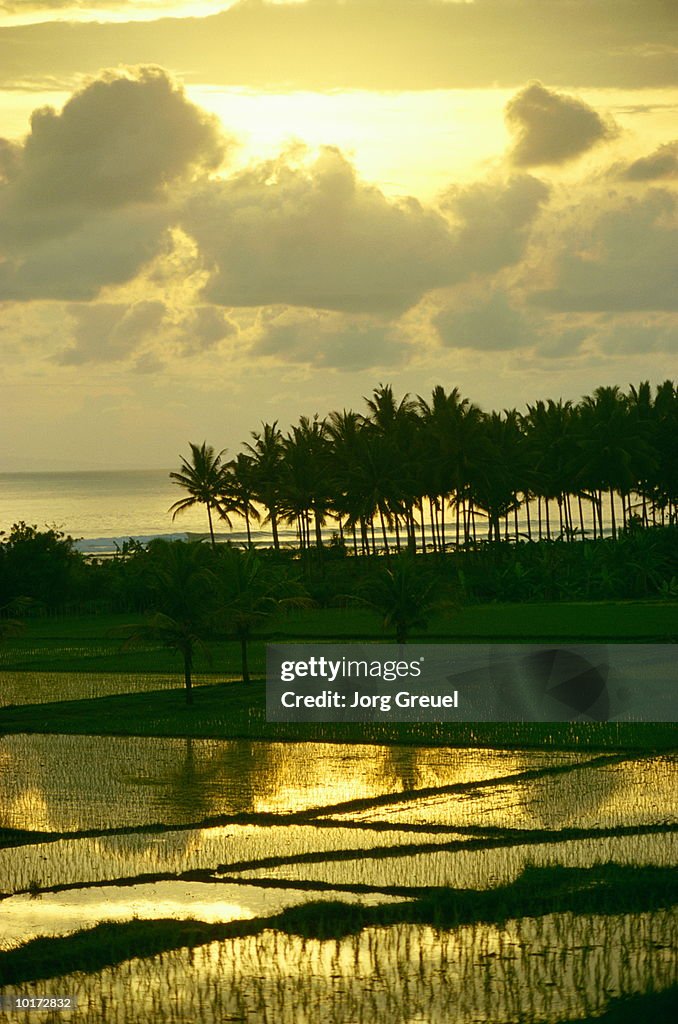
527 514
274 527
209 520
458 505
188 681
243 659
581 517
383 532
613 518
434 542
247 524
422 522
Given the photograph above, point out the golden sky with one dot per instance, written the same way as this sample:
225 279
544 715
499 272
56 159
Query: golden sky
215 214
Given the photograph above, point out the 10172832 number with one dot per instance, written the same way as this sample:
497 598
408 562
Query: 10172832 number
19 1002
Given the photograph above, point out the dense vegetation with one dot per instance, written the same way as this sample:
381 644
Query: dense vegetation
388 478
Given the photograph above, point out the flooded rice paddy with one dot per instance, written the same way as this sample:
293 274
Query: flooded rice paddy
458 885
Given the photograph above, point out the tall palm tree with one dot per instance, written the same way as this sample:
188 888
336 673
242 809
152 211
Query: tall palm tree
239 491
267 468
184 599
494 479
306 487
391 423
202 476
614 445
251 591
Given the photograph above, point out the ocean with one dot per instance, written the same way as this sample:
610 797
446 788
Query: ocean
104 508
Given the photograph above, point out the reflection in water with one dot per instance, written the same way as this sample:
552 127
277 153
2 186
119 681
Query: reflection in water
104 781
544 969
631 792
23 918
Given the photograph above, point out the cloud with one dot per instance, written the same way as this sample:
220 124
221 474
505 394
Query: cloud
202 328
10 156
551 127
383 44
123 138
621 259
489 325
636 336
663 163
107 249
315 235
330 340
285 233
493 221
110 331
85 200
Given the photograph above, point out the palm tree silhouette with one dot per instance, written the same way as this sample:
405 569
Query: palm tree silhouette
267 466
238 491
202 477
184 591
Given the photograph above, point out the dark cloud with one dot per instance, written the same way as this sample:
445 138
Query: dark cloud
285 234
550 127
121 139
203 327
491 324
85 200
381 44
108 249
109 331
316 236
330 340
618 260
635 337
493 220
663 163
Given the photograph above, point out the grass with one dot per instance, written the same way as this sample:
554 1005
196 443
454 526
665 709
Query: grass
85 644
237 711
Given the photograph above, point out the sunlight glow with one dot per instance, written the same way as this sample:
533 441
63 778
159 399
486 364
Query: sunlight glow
406 142
25 12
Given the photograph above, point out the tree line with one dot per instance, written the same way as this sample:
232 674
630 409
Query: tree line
431 475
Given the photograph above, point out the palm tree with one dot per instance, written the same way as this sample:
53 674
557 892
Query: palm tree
494 482
267 467
450 425
343 430
404 594
250 591
393 425
203 477
305 483
184 594
238 491
614 446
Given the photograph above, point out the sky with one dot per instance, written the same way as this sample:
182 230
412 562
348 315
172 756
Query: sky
217 214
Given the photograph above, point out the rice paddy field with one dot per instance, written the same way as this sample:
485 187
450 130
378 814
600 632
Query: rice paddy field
184 879
166 864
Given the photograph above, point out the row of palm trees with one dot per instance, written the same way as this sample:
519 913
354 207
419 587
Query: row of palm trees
388 478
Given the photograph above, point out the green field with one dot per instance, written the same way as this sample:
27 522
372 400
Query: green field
86 644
